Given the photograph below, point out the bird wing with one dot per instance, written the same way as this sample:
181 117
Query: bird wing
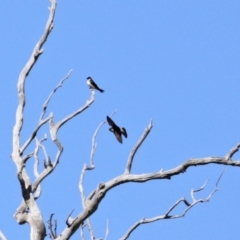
111 122
94 84
118 136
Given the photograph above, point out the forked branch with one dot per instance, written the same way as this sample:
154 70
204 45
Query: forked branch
167 214
44 109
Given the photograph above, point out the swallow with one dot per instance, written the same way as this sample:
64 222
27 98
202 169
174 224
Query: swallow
118 132
93 85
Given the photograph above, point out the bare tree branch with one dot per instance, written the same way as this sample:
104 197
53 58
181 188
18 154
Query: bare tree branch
34 133
44 109
232 152
2 237
36 163
53 131
70 220
25 158
107 231
94 198
94 143
90 167
38 145
136 147
24 73
167 216
198 190
55 127
34 217
82 231
45 105
90 229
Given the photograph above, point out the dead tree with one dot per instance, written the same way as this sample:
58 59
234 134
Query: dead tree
28 210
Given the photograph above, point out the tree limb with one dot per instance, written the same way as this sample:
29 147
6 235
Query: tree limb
94 198
167 216
33 217
136 147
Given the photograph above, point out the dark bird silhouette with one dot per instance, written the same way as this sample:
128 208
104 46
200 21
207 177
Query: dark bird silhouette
93 85
118 132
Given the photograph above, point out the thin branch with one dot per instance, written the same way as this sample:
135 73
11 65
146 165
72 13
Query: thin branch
136 147
2 237
70 220
90 229
94 147
34 133
94 143
90 167
82 231
55 127
44 109
25 158
107 231
36 150
45 105
232 152
167 216
43 175
198 190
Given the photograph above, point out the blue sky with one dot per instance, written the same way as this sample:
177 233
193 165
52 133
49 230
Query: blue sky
176 62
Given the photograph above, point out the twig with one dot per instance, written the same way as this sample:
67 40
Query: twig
198 190
107 231
2 237
90 229
55 127
45 105
82 231
134 150
232 152
70 220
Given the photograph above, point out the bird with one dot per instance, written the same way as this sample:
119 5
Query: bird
93 85
118 132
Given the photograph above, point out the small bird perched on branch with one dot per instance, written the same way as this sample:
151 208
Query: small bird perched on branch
93 85
118 132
